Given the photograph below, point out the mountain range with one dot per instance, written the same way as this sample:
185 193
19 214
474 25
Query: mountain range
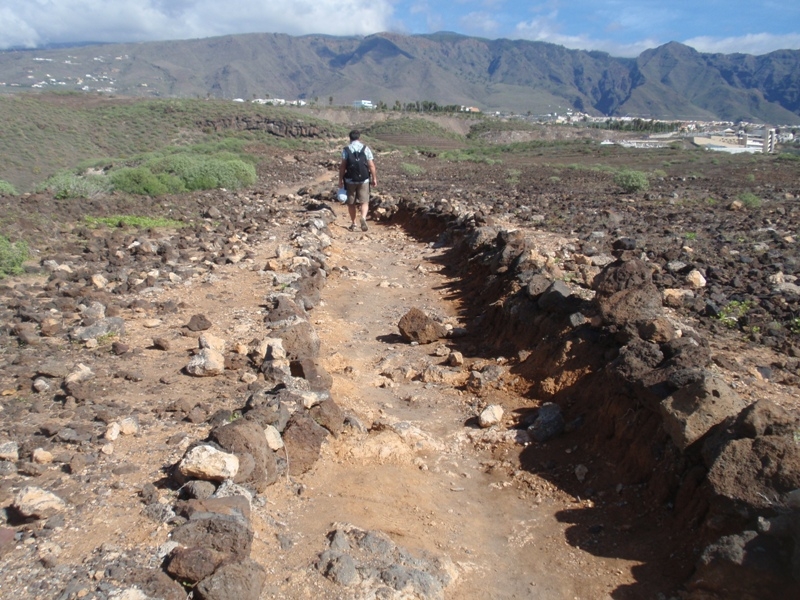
672 81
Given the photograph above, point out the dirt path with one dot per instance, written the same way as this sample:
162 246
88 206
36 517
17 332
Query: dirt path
417 475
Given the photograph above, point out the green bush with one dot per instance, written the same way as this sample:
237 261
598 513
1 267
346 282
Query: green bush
205 173
142 181
412 169
12 256
6 189
632 181
749 199
733 312
66 185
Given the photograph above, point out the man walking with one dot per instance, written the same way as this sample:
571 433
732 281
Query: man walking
356 174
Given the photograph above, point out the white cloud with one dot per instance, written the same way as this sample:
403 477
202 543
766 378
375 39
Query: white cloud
16 31
546 29
753 43
479 23
31 23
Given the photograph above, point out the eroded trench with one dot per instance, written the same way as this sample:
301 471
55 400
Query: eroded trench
688 479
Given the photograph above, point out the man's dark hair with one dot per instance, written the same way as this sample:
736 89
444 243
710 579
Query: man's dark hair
354 135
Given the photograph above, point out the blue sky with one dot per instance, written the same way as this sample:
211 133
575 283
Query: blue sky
619 27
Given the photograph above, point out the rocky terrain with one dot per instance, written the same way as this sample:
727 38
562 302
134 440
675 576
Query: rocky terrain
507 387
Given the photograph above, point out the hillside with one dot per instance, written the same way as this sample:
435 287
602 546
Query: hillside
671 81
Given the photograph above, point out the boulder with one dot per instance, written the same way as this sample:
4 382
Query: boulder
548 424
37 503
208 463
226 535
206 363
690 412
303 442
247 441
300 340
416 326
491 415
241 580
193 564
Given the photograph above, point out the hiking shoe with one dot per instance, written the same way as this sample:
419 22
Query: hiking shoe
352 227
363 224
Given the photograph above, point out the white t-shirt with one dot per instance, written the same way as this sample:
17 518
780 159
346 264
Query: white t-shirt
355 146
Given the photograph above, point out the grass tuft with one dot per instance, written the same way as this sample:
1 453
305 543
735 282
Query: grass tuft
12 255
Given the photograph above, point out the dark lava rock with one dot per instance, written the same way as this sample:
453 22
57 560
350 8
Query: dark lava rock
268 409
765 418
744 565
416 326
328 414
309 287
303 440
748 472
245 439
198 323
227 535
537 285
312 371
619 276
230 506
198 489
549 423
284 312
193 564
636 359
300 340
633 306
558 298
242 581
342 570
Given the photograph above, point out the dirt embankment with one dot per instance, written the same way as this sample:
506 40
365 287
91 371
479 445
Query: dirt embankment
645 397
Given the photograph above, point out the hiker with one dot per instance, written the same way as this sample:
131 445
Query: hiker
356 174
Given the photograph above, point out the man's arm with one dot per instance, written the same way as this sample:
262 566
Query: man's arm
373 174
342 169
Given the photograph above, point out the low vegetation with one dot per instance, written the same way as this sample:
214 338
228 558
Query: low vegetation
169 171
46 134
412 169
410 126
134 221
6 189
487 127
631 181
67 185
12 256
731 314
749 199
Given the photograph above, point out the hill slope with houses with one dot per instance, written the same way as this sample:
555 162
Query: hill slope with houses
672 81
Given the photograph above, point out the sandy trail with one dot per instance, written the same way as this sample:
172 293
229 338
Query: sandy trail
429 488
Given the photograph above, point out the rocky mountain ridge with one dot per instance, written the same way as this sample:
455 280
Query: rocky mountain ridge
672 81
